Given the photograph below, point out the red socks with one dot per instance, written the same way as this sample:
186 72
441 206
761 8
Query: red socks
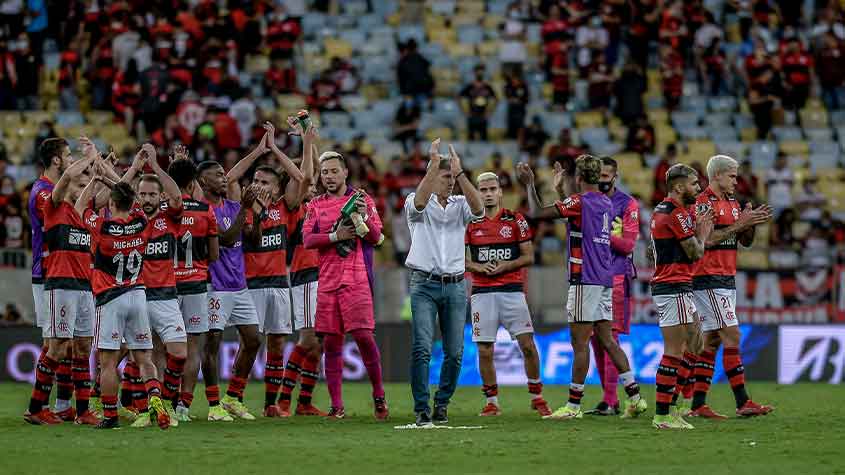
236 387
274 371
45 372
64 380
667 379
110 406
172 377
82 383
212 393
703 374
735 372
309 379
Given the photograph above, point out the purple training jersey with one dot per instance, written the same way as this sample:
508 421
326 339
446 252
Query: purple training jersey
42 191
228 273
622 203
590 257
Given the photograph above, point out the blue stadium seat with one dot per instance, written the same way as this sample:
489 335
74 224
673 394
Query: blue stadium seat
720 134
731 148
818 135
742 121
443 7
694 103
533 33
821 161
470 34
354 7
685 119
722 104
335 120
370 21
313 22
594 136
782 133
606 149
762 154
824 148
385 8
406 32
356 37
69 119
498 7
693 133
717 119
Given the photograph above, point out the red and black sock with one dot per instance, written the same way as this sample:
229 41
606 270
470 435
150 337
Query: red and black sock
310 375
110 406
535 389
274 370
82 383
689 361
490 390
576 392
736 374
684 375
64 380
45 373
293 369
186 399
667 379
703 374
152 387
236 387
126 398
212 393
173 370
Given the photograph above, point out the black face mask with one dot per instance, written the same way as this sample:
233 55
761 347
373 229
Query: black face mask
605 186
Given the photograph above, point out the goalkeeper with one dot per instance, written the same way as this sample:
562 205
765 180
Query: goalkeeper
626 225
343 225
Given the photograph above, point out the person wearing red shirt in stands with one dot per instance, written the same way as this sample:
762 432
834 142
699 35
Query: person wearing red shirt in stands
126 94
672 73
280 78
559 69
673 30
282 35
324 93
555 32
797 67
103 75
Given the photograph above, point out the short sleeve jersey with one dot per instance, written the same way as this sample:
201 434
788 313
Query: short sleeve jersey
717 268
67 248
199 224
266 261
118 248
590 257
671 224
160 256
498 239
304 263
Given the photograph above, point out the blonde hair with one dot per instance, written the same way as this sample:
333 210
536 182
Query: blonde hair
486 176
718 164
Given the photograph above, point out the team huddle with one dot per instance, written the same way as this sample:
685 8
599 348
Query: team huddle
153 265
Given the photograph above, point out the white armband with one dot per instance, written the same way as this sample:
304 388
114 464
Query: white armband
333 237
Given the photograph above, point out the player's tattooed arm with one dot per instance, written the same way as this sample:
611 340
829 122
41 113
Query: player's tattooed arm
89 152
426 186
234 176
171 189
536 208
287 164
694 246
296 190
743 228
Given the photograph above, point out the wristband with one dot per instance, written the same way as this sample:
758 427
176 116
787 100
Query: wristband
463 172
333 237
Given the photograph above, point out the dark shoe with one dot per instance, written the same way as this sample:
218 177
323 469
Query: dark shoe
423 419
440 416
108 423
604 409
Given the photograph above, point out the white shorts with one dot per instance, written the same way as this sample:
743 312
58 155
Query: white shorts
589 303
230 308
675 309
716 308
272 307
304 305
70 314
166 320
194 309
508 309
42 309
124 317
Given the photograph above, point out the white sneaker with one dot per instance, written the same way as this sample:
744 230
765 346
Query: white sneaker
183 414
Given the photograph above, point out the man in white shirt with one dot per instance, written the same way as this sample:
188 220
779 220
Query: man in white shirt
437 221
779 181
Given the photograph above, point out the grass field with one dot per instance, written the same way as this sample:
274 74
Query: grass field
805 435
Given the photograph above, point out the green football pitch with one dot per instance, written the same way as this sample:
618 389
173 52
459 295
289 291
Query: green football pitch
804 435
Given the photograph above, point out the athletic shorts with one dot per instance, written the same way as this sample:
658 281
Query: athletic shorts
589 303
675 309
716 308
166 320
70 314
345 309
124 317
195 310
42 308
272 307
230 308
304 305
508 309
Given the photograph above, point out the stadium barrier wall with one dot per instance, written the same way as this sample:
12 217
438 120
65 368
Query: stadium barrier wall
786 354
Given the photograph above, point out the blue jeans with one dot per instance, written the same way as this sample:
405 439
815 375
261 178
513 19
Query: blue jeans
430 299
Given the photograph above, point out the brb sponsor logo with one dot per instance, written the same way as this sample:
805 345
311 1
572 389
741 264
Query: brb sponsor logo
487 255
811 353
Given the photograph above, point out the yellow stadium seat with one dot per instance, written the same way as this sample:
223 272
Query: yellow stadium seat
814 118
704 149
471 7
511 200
445 133
489 48
492 22
257 64
290 102
464 19
395 20
658 116
336 47
795 147
589 119
461 50
753 258
748 135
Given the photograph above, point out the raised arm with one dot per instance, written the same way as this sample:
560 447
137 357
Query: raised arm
70 174
240 168
426 186
296 190
229 237
536 209
171 189
287 164
470 192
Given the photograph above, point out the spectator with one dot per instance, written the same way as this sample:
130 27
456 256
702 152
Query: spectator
703 179
556 34
762 103
159 95
283 34
559 73
747 184
69 63
629 90
512 53
712 68
479 102
46 130
672 74
125 43
669 158
126 95
533 138
797 75
345 75
505 179
14 228
810 202
707 33
600 86
8 77
406 123
102 75
12 317
325 95
829 58
27 68
783 234
673 28
779 181
7 190
565 151
414 74
827 23
591 39
11 18
612 12
244 110
280 78
641 137
36 26
517 95
645 17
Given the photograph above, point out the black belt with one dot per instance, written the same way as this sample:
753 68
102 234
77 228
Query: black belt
443 279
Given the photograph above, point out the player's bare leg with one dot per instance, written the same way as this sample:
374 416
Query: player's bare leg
159 357
674 342
488 379
312 352
250 343
531 359
273 375
195 353
158 413
82 380
109 380
210 376
635 405
580 337
38 412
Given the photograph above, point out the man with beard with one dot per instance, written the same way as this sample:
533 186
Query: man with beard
677 244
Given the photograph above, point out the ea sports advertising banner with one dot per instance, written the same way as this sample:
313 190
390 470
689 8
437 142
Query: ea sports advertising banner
644 347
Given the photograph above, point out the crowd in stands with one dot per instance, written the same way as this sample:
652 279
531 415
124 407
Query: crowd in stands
542 81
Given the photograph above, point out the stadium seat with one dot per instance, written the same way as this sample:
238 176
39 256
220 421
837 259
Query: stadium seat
784 133
722 104
470 34
822 161
722 134
681 119
718 119
733 149
814 118
693 132
589 119
818 135
795 147
443 7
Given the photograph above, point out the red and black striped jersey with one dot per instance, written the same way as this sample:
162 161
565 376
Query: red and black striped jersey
67 248
198 225
266 261
118 248
304 264
717 268
671 224
160 256
497 239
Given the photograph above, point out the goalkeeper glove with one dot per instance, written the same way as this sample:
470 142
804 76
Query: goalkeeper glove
617 227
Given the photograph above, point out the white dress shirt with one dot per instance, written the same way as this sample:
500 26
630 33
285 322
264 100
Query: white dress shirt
437 234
